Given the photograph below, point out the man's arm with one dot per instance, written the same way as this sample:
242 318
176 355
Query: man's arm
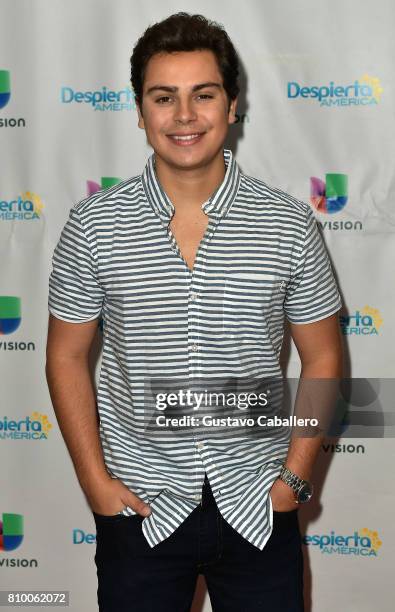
74 402
320 350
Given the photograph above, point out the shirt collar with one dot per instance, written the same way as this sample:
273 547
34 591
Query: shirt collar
216 206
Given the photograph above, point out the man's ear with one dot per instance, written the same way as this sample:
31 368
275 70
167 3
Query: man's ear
232 111
140 116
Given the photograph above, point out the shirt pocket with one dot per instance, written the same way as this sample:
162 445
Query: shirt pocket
250 300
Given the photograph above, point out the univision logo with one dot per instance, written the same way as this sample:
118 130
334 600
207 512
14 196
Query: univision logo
10 314
106 183
5 95
10 320
11 531
343 448
329 197
11 536
5 89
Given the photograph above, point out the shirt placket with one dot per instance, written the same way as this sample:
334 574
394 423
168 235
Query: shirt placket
195 302
195 347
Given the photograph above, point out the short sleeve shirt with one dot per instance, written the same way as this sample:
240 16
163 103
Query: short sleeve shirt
261 260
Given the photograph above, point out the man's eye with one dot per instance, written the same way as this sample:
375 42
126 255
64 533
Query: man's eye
205 96
163 99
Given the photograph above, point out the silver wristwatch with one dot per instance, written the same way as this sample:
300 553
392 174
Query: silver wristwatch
303 489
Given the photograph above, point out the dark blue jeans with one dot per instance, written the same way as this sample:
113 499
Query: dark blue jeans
133 577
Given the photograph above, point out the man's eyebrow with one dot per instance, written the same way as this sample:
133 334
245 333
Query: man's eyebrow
204 85
174 89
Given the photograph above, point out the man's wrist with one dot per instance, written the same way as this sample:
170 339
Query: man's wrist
302 488
95 479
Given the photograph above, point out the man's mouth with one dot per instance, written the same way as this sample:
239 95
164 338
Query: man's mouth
186 139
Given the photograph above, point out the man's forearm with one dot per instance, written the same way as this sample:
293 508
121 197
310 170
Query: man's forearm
316 398
74 403
302 454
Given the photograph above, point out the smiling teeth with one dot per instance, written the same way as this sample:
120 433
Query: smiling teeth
186 137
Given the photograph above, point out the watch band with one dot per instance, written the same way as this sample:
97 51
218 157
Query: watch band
302 488
291 479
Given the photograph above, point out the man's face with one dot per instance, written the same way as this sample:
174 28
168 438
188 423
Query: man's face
185 110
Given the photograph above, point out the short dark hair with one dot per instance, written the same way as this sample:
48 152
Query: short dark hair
185 32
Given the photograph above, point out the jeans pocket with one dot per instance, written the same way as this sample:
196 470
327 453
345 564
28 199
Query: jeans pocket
285 520
111 518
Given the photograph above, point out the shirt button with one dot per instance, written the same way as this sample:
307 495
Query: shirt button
197 497
194 295
199 444
194 347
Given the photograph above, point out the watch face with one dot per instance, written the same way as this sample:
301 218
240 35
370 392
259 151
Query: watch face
305 493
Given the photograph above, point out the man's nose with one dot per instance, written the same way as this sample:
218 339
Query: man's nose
185 111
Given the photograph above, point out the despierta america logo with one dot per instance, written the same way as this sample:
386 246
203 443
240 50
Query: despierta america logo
365 91
25 207
363 543
104 99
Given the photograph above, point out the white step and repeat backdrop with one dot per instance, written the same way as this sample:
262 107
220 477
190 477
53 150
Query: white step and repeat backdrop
316 118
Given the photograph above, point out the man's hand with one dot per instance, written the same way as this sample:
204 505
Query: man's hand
282 496
111 496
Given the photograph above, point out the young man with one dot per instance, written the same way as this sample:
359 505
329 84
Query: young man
192 266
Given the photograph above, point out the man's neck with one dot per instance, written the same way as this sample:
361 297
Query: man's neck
188 189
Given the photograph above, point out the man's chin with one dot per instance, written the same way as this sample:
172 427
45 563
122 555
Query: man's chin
188 160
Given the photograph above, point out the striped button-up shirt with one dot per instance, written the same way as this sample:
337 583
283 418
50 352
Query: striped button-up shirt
261 259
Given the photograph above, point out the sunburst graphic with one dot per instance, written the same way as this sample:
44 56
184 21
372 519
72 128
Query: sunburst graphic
374 83
37 201
45 424
373 537
375 314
